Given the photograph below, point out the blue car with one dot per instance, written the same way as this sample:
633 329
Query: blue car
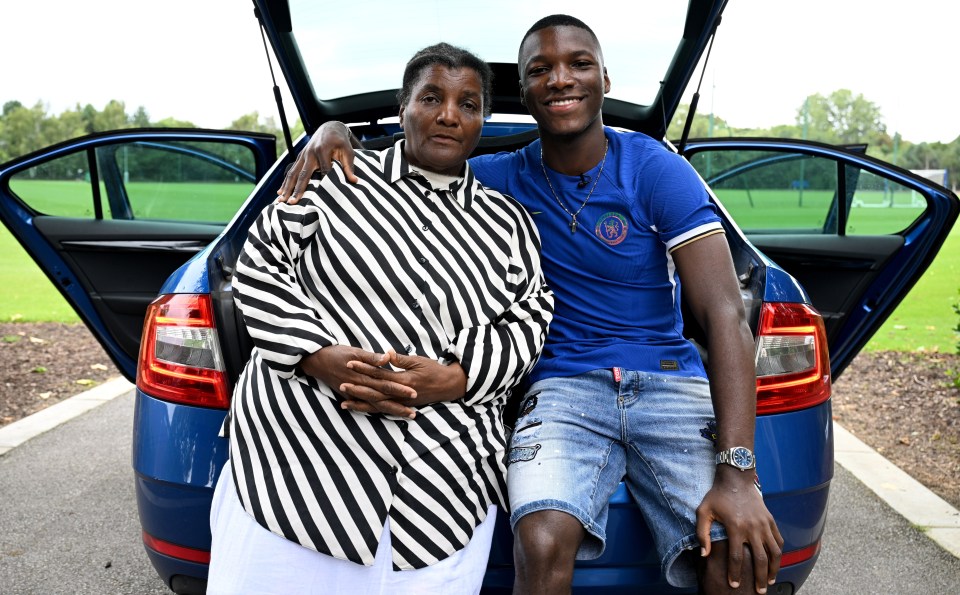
141 229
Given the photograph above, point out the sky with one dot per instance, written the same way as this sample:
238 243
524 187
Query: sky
203 60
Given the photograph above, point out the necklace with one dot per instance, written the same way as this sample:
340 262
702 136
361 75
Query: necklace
573 216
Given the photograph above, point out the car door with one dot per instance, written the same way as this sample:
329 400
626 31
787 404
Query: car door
109 217
856 232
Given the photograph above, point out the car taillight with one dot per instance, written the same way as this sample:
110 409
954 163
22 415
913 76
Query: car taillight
176 551
801 555
180 356
793 366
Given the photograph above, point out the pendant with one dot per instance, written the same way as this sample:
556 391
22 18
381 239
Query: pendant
573 224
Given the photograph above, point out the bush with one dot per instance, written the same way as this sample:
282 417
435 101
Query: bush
955 374
956 329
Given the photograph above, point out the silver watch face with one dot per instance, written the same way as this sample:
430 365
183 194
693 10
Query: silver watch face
741 457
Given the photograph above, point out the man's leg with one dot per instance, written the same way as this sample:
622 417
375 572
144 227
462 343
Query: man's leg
562 467
544 550
670 467
712 572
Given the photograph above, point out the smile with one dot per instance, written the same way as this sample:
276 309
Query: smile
563 102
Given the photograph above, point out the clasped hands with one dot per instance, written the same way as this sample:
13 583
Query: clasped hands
370 387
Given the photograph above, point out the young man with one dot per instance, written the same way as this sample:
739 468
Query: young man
618 391
418 267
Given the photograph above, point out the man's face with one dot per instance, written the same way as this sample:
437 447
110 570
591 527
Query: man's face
443 118
563 79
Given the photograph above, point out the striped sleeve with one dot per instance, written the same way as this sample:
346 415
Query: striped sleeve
497 355
691 236
277 311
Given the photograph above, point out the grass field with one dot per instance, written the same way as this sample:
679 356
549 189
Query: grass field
925 319
27 294
791 210
923 322
201 201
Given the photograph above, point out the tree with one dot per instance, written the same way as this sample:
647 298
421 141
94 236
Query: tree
10 106
68 125
89 115
113 117
842 118
251 123
23 130
140 118
704 125
174 123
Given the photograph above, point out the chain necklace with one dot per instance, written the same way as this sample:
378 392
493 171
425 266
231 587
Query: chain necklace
573 216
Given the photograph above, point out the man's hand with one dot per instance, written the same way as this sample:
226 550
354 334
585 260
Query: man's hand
429 380
331 365
331 142
735 503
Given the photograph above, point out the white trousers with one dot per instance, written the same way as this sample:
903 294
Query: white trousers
248 559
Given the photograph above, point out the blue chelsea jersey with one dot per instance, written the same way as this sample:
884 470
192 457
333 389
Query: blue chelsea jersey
614 281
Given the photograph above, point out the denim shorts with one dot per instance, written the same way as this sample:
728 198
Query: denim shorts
576 438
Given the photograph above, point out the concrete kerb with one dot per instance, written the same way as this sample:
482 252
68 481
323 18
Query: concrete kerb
18 432
912 500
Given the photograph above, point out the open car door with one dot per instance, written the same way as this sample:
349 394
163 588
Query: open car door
856 232
109 217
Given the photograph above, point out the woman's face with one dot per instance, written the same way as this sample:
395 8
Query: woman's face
443 118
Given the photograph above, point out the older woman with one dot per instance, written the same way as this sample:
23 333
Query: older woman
337 485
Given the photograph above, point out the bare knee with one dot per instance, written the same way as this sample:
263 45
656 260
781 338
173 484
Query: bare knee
545 549
713 571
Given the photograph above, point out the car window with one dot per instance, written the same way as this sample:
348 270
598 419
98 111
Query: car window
790 192
146 180
60 186
881 206
770 191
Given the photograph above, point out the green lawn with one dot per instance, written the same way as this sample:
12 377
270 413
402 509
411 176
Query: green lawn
793 212
27 293
185 201
925 319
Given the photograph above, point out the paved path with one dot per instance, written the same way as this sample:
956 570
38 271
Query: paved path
70 525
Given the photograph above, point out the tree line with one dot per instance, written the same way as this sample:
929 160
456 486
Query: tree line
841 117
26 129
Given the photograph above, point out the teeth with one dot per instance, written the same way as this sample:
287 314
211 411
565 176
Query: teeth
564 101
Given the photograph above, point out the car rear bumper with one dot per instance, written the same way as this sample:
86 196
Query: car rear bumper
177 457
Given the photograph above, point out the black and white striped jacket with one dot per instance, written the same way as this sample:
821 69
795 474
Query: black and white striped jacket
389 263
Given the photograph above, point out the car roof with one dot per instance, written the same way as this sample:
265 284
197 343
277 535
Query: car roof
345 64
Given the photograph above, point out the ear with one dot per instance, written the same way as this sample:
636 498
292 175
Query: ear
606 81
402 108
523 100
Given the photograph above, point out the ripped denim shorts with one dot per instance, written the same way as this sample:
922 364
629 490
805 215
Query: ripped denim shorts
576 438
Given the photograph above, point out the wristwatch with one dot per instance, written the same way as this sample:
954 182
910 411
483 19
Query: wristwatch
740 457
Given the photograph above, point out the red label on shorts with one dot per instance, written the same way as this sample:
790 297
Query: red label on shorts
616 374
